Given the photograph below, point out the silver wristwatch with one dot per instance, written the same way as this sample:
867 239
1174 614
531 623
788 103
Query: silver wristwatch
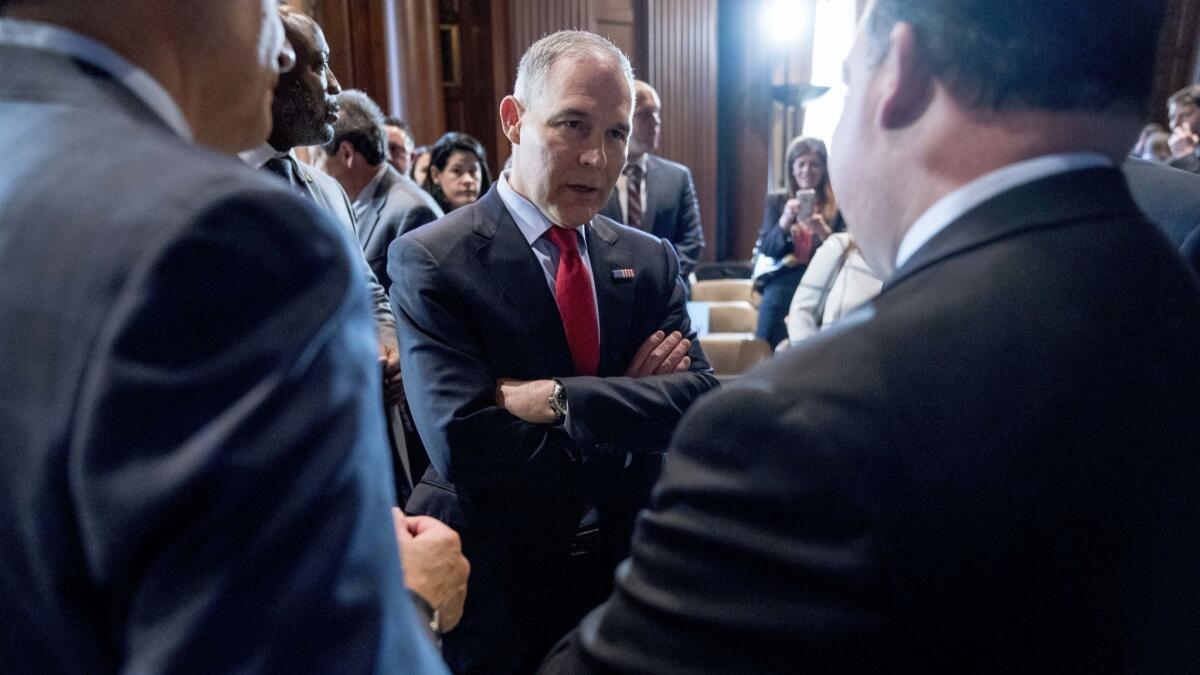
558 403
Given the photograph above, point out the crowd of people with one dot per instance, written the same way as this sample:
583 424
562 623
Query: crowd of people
281 391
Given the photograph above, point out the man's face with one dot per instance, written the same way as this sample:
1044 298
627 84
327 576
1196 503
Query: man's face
236 49
571 140
399 147
305 105
647 123
1185 113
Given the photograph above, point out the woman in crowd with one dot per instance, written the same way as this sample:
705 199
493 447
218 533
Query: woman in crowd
836 283
794 226
458 172
420 165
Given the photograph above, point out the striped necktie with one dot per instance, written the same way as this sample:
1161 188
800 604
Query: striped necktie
633 195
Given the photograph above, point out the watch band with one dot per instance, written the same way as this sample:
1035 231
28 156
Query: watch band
558 403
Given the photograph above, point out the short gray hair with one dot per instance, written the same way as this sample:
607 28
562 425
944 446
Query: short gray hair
542 55
361 123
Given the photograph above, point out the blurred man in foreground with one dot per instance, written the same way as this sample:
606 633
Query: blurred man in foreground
193 472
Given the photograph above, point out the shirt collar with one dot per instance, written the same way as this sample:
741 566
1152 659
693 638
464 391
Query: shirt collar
529 218
956 204
64 42
640 162
368 192
264 153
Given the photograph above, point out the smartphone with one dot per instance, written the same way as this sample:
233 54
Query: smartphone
808 200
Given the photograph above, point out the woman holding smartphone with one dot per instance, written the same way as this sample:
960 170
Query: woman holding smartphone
795 223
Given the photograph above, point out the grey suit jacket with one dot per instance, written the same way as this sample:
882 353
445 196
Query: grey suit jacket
193 469
398 206
326 191
672 211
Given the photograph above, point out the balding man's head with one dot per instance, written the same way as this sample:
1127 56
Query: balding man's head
217 59
305 106
647 120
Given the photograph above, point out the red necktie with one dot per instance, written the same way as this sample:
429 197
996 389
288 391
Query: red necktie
576 304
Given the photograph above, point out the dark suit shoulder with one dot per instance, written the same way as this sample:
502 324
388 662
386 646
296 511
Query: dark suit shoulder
668 165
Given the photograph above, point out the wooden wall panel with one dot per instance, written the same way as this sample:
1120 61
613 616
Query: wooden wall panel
682 66
530 20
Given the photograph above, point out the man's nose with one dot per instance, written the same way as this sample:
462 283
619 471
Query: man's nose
594 157
334 88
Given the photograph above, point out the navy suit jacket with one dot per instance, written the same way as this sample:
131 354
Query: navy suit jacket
991 468
672 210
193 470
473 306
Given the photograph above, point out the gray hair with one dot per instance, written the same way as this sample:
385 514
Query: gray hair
541 56
360 122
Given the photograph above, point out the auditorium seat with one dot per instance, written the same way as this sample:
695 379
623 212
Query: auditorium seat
735 316
722 290
732 353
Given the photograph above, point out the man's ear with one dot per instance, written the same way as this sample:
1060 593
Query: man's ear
345 153
907 82
510 119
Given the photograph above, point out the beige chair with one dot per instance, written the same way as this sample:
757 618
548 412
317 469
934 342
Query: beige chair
736 316
723 290
733 354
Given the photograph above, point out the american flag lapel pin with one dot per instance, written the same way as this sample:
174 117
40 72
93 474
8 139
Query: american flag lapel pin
622 273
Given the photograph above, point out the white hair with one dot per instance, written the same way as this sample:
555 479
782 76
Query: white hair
540 58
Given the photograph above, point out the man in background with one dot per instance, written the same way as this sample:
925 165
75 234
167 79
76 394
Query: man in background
400 144
193 472
655 194
386 202
991 467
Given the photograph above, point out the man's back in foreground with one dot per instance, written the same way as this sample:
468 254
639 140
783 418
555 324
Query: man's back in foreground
992 466
192 470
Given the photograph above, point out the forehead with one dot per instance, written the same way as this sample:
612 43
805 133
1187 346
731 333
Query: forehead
587 83
395 134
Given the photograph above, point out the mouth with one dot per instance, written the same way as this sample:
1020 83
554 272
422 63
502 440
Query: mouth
583 190
331 111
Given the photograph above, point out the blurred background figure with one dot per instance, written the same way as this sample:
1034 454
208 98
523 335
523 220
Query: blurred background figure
1183 109
794 226
399 144
458 172
1153 144
419 166
837 281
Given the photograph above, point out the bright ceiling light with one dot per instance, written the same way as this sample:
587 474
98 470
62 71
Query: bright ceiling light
784 22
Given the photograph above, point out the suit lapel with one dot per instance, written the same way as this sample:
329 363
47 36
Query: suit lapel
378 201
515 271
614 297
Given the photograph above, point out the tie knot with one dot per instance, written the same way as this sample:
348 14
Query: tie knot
634 171
563 238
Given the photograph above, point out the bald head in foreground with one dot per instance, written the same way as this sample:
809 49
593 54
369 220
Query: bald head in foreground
992 467
193 470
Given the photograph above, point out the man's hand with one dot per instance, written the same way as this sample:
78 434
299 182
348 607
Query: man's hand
434 566
1183 141
527 399
661 354
393 383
